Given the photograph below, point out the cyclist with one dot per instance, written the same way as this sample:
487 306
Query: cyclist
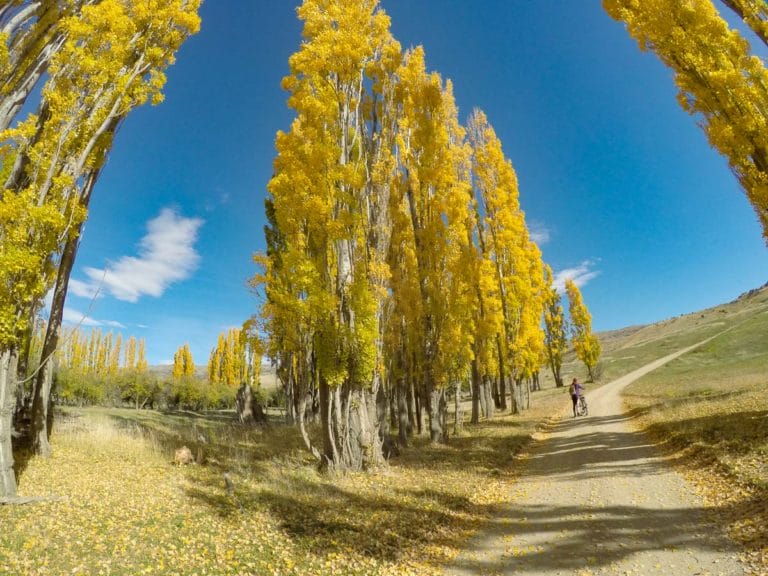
575 390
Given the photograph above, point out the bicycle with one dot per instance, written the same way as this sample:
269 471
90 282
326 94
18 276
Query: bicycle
581 407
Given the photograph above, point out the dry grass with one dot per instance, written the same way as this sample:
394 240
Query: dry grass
709 412
128 510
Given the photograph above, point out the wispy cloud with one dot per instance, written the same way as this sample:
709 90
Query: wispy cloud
580 275
166 255
76 318
114 324
539 233
83 289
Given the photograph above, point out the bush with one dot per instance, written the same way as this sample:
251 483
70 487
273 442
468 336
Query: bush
78 389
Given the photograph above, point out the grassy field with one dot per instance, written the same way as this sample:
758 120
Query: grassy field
709 411
126 509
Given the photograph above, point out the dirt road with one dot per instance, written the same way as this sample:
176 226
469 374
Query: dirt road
596 498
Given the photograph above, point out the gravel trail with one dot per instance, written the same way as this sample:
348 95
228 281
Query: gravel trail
597 498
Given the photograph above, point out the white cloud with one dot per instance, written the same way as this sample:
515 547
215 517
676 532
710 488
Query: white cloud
76 318
539 233
580 275
166 255
83 289
114 324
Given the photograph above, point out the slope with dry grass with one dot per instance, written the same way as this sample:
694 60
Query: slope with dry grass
709 411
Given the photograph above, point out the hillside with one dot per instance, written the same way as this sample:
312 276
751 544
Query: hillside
627 348
708 409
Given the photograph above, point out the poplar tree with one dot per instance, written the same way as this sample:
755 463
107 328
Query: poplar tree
512 257
30 35
555 327
720 81
129 357
141 360
585 343
114 356
436 191
329 202
111 59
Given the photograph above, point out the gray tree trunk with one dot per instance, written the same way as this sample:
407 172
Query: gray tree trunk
476 389
437 416
402 413
488 396
249 411
8 367
502 374
458 420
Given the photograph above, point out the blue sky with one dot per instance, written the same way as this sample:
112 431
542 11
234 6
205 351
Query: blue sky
616 180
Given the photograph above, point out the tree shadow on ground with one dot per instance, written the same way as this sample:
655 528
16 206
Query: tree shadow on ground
571 538
323 518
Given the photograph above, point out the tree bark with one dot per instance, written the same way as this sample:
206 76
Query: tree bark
411 399
303 429
8 368
417 404
502 372
437 416
249 411
458 420
516 406
43 382
495 387
330 453
489 404
402 413
475 393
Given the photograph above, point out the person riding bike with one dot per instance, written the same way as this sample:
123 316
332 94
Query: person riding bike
576 391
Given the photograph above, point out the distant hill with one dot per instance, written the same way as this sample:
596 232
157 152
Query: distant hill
628 348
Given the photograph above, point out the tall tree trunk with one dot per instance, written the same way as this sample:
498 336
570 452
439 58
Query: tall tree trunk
502 373
458 416
402 413
43 382
516 407
495 388
8 371
419 420
291 402
248 409
330 452
437 416
302 408
22 372
475 393
411 399
489 403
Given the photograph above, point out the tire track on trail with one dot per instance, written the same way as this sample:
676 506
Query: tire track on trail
597 498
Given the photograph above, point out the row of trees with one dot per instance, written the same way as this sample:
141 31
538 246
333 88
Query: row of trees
232 375
96 60
398 262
